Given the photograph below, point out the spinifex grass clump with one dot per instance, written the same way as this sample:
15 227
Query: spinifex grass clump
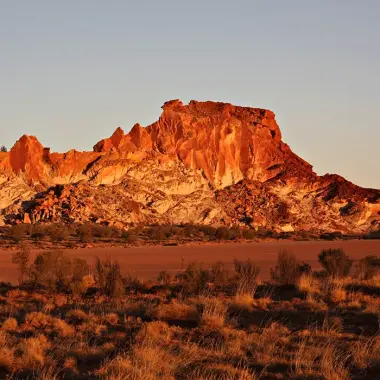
246 273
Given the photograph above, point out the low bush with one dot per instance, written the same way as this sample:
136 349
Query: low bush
21 259
367 268
164 277
58 232
84 232
249 234
335 262
101 231
194 279
55 271
373 235
224 233
38 232
18 232
162 233
219 274
109 278
288 269
129 237
207 231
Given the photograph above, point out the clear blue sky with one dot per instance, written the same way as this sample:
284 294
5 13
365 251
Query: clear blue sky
72 71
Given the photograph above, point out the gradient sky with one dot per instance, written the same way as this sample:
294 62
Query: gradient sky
72 71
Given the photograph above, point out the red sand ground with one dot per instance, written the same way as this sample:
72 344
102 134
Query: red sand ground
146 262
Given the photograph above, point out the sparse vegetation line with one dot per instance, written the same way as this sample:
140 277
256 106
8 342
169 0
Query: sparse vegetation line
91 234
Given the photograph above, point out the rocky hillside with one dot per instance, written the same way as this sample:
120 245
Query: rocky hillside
204 163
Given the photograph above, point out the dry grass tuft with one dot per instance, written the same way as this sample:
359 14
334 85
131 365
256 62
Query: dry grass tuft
33 351
10 324
177 310
213 313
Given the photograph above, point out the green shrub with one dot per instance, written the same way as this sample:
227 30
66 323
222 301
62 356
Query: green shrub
335 262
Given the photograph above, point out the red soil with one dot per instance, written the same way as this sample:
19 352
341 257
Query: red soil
146 262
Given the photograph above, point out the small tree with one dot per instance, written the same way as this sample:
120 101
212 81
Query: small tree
335 262
3 149
21 259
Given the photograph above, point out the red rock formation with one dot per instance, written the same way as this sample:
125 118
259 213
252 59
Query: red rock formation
228 143
204 162
27 156
30 160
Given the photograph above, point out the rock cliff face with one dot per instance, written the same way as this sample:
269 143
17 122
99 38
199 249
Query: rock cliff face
205 162
227 143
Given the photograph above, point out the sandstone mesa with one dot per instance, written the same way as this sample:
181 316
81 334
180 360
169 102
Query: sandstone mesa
205 162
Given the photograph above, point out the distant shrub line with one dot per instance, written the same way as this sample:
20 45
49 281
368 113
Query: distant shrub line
91 232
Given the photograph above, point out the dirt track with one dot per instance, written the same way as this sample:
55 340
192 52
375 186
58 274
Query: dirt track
146 262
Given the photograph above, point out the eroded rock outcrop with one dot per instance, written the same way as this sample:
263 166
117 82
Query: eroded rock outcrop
226 142
205 162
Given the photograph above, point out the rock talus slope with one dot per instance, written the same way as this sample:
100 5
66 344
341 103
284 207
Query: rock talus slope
205 162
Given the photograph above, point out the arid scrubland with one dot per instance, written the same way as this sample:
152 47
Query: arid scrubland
67 320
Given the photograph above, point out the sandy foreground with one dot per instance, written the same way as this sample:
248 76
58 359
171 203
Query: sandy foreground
147 261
